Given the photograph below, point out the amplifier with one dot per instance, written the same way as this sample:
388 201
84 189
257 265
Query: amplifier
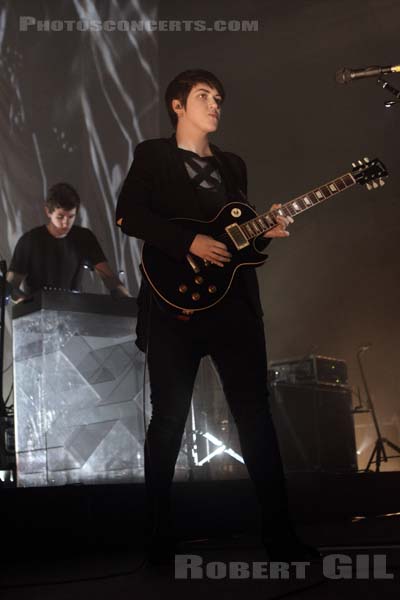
310 370
315 427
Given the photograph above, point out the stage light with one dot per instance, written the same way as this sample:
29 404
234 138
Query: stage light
212 439
234 455
219 450
207 458
356 519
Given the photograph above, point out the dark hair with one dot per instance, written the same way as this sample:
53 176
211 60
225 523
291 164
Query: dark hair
62 195
179 88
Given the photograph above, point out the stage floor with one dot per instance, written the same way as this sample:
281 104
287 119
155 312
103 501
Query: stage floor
119 573
87 541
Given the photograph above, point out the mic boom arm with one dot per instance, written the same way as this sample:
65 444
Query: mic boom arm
346 75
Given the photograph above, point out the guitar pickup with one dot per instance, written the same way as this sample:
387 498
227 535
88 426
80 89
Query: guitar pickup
237 236
193 263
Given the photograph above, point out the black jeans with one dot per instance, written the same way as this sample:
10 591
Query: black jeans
234 338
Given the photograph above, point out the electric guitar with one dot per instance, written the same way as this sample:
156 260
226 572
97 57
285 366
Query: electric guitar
193 284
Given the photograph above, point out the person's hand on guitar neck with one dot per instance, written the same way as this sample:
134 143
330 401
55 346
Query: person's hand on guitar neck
216 253
280 230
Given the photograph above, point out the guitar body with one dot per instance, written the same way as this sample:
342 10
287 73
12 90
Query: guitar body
194 286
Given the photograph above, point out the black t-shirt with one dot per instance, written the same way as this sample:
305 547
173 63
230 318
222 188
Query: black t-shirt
210 189
207 181
55 262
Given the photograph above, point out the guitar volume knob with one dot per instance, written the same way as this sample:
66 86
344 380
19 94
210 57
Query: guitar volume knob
212 289
198 279
196 296
183 288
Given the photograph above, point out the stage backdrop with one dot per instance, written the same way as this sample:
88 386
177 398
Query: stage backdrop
73 106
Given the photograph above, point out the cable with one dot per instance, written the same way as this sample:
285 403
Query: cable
79 580
142 564
8 368
9 409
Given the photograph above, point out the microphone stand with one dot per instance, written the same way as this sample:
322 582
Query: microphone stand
387 86
379 448
3 272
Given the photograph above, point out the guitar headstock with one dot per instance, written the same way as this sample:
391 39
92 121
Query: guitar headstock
369 172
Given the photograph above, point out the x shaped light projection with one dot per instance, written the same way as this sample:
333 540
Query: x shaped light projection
219 449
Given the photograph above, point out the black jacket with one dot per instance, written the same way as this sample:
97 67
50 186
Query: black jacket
158 188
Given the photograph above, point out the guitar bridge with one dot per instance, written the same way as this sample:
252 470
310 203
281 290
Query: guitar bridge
193 263
237 236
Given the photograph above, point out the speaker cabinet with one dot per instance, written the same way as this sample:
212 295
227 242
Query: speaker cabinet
315 427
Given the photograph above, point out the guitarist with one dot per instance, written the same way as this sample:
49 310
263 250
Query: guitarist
187 176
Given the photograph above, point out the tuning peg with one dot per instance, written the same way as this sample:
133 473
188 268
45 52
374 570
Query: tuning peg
375 184
369 186
353 165
366 159
381 181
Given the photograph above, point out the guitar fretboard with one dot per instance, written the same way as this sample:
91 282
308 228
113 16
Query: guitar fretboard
266 221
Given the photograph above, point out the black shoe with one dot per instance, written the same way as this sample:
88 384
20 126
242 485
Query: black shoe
291 549
161 550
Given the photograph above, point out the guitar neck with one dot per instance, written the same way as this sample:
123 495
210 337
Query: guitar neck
267 221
